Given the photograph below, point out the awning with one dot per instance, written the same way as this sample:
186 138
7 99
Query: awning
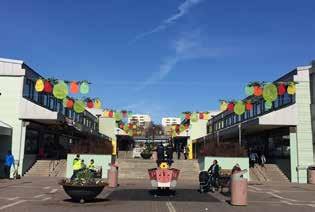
5 129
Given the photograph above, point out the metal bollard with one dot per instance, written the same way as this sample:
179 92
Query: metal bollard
239 189
311 174
113 176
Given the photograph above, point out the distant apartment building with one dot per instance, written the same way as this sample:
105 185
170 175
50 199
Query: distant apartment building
169 121
140 119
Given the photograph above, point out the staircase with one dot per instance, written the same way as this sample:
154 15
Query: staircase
275 175
271 173
47 168
138 168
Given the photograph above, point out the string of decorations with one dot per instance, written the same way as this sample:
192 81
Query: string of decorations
194 116
60 89
256 91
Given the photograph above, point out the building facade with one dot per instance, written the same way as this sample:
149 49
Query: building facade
141 120
283 133
30 121
170 121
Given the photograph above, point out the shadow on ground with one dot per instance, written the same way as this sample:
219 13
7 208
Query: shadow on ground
179 195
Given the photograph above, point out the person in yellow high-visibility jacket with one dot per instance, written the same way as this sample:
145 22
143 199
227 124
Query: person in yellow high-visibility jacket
91 165
76 166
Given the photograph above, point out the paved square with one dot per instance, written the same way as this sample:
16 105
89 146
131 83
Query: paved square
44 194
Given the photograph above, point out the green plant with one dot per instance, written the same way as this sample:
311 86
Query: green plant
82 178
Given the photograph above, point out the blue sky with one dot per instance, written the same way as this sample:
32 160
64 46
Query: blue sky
160 57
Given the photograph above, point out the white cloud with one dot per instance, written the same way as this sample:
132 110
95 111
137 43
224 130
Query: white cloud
188 46
183 9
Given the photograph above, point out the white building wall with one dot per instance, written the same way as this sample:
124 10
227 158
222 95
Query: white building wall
169 121
11 89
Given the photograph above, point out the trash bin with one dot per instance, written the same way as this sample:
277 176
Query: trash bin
113 176
311 174
239 189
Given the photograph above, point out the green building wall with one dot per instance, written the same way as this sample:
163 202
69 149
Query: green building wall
302 143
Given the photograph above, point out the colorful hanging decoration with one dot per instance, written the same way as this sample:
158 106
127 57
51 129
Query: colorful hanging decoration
182 128
60 90
90 103
84 87
39 85
249 106
268 105
74 87
70 103
281 89
79 106
124 114
291 88
258 90
118 116
187 116
194 117
223 106
48 87
239 108
249 90
270 92
97 104
230 107
111 114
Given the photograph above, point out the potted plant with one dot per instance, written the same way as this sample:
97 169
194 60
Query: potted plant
147 152
84 187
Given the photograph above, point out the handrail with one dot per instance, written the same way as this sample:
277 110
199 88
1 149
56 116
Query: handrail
52 166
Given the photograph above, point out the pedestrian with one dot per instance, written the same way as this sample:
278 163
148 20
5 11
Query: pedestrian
76 166
236 168
214 174
178 151
253 159
169 153
91 166
83 165
8 163
185 151
263 160
160 153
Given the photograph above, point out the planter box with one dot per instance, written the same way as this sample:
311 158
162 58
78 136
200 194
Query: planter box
82 193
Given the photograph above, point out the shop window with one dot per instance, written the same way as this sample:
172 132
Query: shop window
31 142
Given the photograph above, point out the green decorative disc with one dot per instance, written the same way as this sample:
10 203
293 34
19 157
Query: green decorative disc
194 117
64 102
249 90
60 90
239 108
118 116
270 92
84 88
268 105
79 106
182 128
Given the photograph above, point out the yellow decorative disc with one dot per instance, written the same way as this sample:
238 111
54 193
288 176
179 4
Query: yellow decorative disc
39 85
164 165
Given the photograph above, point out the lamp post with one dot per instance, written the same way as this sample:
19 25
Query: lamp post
240 134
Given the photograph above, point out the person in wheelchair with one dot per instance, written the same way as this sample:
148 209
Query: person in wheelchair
214 174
